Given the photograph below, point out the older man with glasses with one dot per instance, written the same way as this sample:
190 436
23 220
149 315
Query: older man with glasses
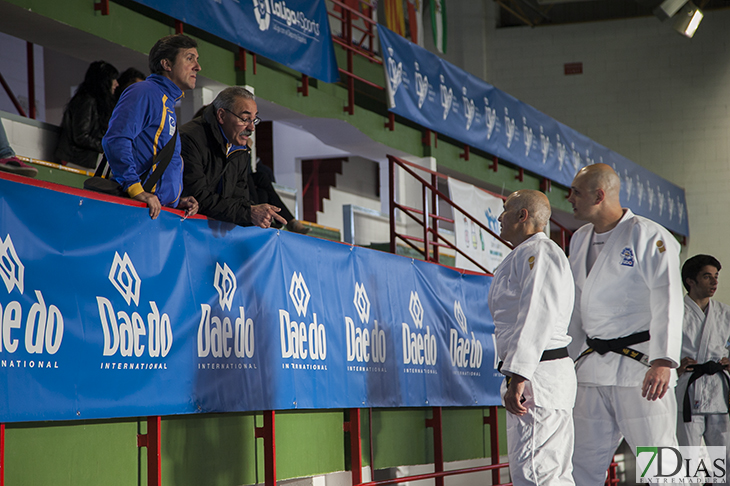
217 159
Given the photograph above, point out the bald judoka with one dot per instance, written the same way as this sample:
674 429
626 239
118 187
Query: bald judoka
626 326
531 299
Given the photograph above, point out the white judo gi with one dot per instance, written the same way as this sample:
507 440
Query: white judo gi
531 300
705 338
633 286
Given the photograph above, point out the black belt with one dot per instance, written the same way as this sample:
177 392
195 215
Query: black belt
698 370
547 355
619 346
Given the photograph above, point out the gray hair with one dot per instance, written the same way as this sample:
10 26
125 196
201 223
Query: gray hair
228 97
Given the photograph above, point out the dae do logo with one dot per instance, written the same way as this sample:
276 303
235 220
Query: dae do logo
465 352
418 347
40 331
132 335
364 345
301 340
215 334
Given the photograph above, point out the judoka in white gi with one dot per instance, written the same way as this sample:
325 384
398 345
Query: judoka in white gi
531 299
628 285
705 337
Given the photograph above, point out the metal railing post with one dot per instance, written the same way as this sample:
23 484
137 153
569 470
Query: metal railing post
268 433
391 190
352 426
31 81
436 423
426 249
491 420
152 440
435 220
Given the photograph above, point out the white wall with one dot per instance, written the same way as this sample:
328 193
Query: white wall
646 92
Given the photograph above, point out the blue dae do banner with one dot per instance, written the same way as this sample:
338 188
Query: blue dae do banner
107 313
295 33
438 95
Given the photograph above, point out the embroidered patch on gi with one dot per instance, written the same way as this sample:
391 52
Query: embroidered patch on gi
660 245
531 261
627 257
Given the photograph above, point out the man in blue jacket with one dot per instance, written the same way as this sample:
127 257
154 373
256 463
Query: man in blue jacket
144 121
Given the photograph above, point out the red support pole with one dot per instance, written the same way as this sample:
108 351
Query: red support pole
103 6
520 175
268 433
253 57
434 219
152 440
391 195
178 27
353 427
426 249
495 163
347 34
2 454
491 420
240 63
438 443
304 88
465 154
390 124
426 139
31 81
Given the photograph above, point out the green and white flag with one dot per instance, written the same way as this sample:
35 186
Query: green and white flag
438 24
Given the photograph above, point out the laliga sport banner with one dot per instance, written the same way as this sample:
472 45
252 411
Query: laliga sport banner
436 94
106 313
295 33
470 238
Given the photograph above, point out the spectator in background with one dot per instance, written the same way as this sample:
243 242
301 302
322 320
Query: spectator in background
9 162
126 79
144 122
86 117
238 198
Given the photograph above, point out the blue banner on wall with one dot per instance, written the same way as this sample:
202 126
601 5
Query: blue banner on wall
295 33
442 97
105 313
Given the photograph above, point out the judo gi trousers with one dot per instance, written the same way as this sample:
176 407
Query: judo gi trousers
604 415
714 427
540 444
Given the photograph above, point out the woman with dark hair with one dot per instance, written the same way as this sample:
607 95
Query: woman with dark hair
128 77
86 118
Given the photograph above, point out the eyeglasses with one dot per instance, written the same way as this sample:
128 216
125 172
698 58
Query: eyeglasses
245 121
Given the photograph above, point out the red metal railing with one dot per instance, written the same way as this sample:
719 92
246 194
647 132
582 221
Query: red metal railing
424 215
435 423
354 47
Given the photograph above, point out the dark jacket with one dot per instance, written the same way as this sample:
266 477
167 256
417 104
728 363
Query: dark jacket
81 131
219 182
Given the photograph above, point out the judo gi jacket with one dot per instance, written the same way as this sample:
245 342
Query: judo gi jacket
705 338
531 299
634 286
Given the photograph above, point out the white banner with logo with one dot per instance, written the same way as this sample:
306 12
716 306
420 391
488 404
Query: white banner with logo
470 238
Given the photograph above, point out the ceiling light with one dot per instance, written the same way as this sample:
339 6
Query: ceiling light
668 8
688 19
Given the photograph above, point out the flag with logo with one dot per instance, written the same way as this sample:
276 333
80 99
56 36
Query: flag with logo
438 24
